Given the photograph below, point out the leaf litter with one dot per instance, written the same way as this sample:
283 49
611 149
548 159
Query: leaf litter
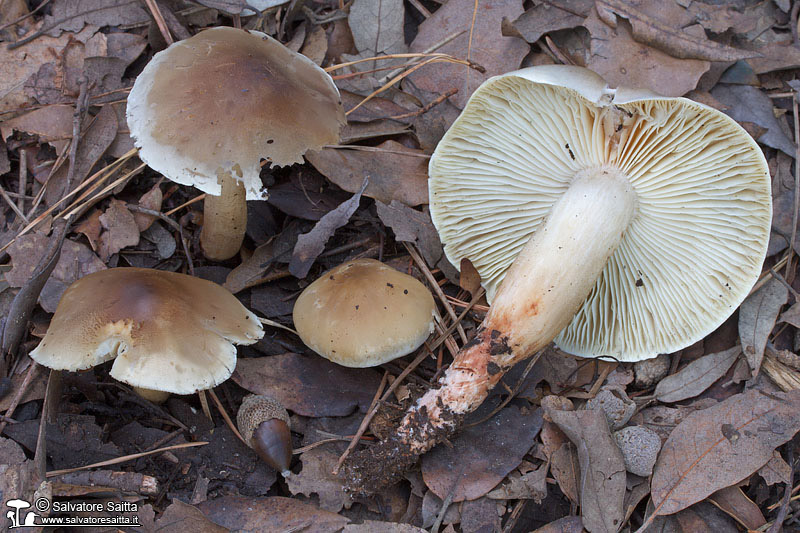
721 420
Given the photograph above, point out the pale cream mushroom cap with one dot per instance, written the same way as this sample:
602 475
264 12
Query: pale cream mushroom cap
364 313
222 100
697 240
166 331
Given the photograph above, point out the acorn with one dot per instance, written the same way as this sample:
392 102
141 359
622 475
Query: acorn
264 425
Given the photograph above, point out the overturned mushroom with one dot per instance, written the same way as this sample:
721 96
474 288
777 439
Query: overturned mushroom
207 110
364 313
165 331
617 221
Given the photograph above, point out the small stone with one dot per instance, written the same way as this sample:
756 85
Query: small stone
613 401
651 371
640 446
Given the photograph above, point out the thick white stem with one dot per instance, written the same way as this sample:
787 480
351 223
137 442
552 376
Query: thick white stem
224 220
543 289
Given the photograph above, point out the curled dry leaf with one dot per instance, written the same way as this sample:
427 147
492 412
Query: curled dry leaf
121 229
546 17
738 506
395 173
666 36
276 513
482 455
603 473
697 376
180 516
757 316
308 386
310 245
316 478
722 445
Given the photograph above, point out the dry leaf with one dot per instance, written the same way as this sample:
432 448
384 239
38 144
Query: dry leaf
410 225
484 44
748 104
150 200
757 316
179 517
310 245
397 173
568 524
667 36
776 470
696 377
316 478
482 455
373 526
739 507
480 516
308 386
52 124
546 17
120 227
529 486
316 45
73 15
276 513
618 58
602 468
776 56
722 445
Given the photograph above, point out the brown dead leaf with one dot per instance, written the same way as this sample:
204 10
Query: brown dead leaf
531 485
120 227
551 16
398 173
776 56
75 262
484 44
316 45
739 507
308 386
469 278
34 391
179 517
150 200
305 196
602 489
480 516
622 61
696 377
748 104
717 447
276 513
73 15
310 245
568 524
776 470
757 316
481 455
373 526
361 131
93 144
667 36
52 124
19 64
91 228
316 478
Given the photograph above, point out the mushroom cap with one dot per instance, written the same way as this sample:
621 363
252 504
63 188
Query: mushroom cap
698 238
364 313
223 100
169 332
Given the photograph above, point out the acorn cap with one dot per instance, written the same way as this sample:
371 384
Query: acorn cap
695 243
165 331
364 313
223 100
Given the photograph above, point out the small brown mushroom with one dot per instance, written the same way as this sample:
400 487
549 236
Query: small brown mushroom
364 313
265 427
165 331
209 109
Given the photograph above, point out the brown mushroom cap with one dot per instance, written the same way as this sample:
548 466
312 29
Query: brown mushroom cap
364 313
167 331
222 100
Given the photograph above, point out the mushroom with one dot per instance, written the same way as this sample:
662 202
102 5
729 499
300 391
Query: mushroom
364 313
265 427
621 223
165 331
207 110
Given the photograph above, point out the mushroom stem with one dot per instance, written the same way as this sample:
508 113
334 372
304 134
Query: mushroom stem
224 220
543 289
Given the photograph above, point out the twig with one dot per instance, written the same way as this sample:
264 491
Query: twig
13 206
32 371
274 324
793 21
785 283
174 225
81 105
789 272
126 458
450 495
225 416
778 523
24 17
374 149
439 99
435 286
185 204
419 7
373 408
160 22
23 178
